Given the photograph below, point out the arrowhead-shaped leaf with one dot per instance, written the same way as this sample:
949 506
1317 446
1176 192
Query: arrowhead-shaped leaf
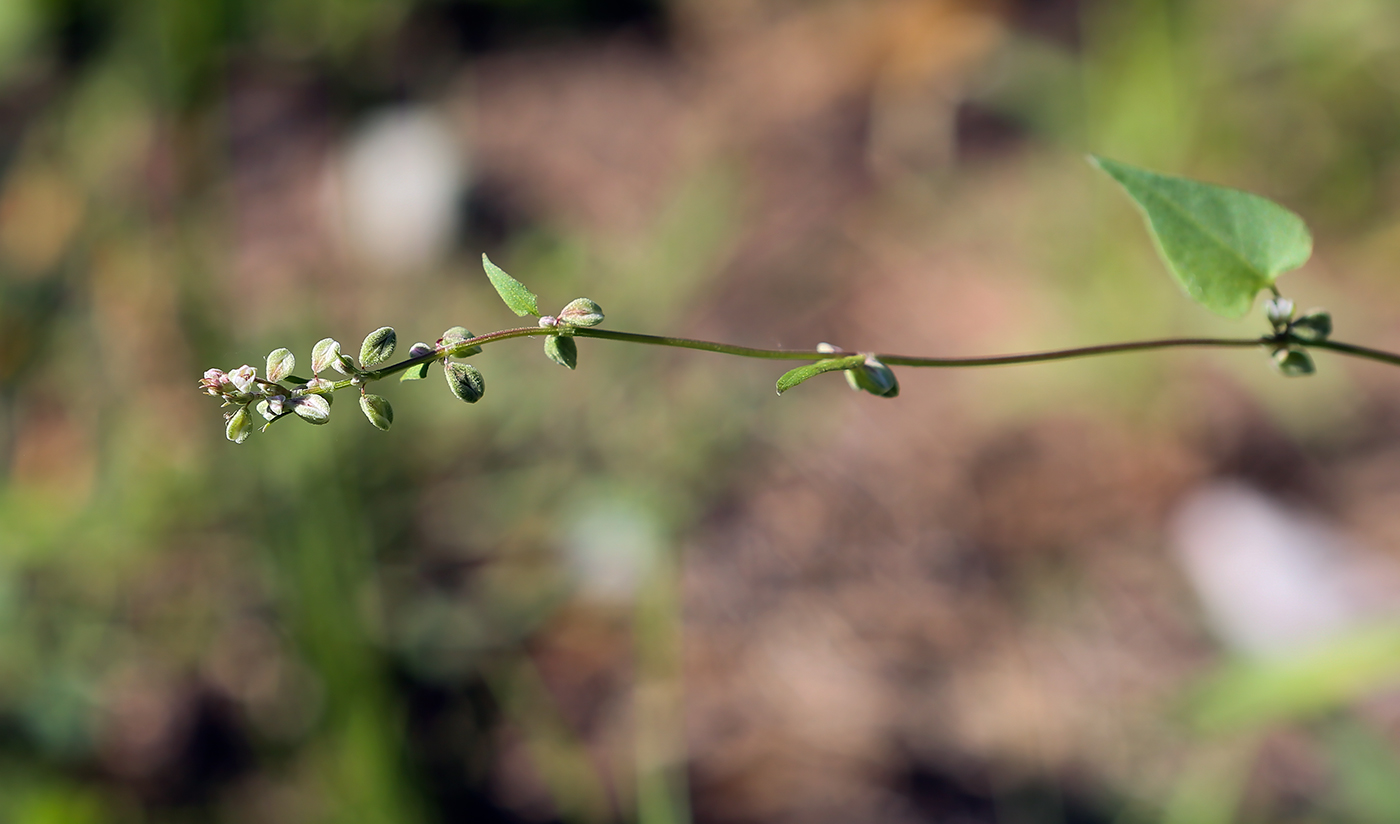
520 300
1222 245
811 370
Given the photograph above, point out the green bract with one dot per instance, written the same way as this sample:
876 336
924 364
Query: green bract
581 312
1222 245
454 342
520 300
562 351
324 354
280 363
465 381
377 410
378 346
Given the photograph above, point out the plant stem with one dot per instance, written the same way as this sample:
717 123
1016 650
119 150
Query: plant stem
898 360
1356 351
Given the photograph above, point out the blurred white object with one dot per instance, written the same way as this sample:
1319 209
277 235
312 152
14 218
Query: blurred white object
611 547
1272 581
396 187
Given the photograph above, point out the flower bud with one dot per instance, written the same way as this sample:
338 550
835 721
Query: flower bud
312 408
581 312
828 349
1314 325
465 381
420 371
324 355
378 346
239 426
1279 311
873 377
1293 363
216 382
377 410
548 322
453 343
561 350
280 363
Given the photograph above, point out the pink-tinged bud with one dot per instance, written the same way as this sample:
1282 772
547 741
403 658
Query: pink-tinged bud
323 354
244 378
549 322
215 382
280 363
581 312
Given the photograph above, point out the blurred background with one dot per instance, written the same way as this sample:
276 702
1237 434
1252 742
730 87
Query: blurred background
1158 588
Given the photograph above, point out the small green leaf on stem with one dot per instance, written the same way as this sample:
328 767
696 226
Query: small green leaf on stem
795 376
465 381
280 363
377 410
378 346
562 350
1222 245
520 300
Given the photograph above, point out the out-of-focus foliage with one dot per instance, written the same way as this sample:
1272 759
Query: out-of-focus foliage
648 589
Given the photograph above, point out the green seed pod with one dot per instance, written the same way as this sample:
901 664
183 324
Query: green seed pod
581 312
378 346
324 355
239 426
465 381
453 342
280 363
377 410
1314 325
562 351
873 377
1293 363
312 409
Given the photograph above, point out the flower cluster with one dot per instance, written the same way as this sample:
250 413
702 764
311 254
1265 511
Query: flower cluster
267 398
281 393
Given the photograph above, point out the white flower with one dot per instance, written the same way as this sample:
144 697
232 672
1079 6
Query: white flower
244 378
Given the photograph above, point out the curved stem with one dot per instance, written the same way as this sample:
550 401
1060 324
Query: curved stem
903 360
896 360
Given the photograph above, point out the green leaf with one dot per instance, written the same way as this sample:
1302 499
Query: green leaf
1222 245
520 300
811 370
